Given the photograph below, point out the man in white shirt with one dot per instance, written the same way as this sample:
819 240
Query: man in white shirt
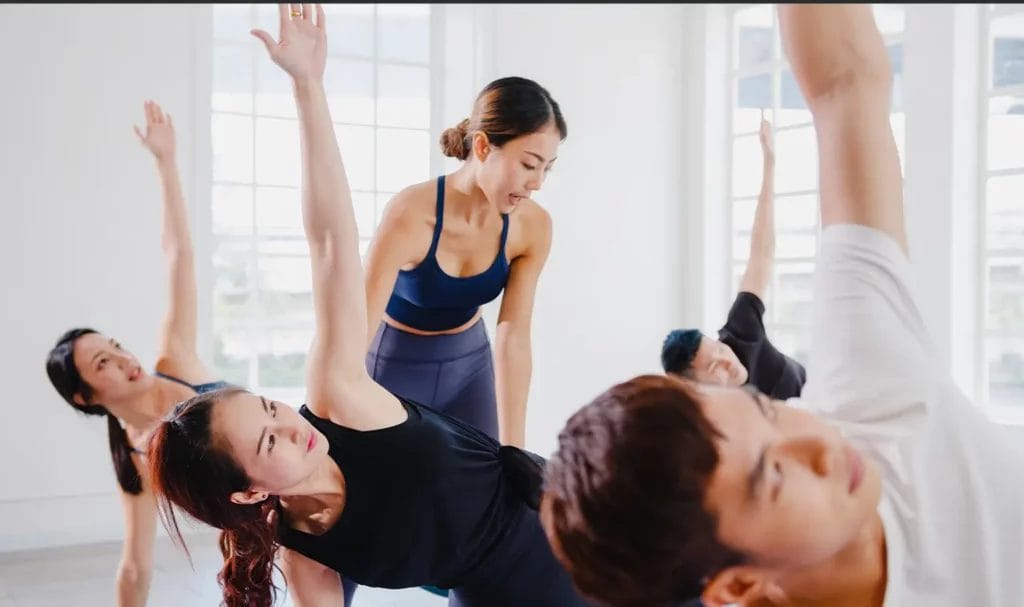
881 486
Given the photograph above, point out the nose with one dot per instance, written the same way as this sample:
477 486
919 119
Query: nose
813 452
535 182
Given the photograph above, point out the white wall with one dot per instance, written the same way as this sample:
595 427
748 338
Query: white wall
614 280
79 219
79 237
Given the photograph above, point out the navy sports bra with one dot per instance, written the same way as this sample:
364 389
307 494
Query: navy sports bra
428 299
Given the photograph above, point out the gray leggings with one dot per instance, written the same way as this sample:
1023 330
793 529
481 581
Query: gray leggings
453 374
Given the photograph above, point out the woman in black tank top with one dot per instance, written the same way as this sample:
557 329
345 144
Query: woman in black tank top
94 374
359 482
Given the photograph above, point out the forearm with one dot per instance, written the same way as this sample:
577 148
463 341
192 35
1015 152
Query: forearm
326 204
762 237
132 585
175 239
513 369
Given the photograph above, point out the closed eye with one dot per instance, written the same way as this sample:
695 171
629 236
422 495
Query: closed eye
528 167
270 443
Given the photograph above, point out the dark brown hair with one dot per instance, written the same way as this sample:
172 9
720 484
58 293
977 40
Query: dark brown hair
624 495
507 108
193 470
64 375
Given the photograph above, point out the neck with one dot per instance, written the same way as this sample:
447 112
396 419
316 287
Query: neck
469 201
146 410
856 576
325 481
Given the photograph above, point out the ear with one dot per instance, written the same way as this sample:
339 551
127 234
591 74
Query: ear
77 397
741 586
249 496
481 145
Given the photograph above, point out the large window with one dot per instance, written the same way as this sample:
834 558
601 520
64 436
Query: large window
1001 321
378 81
759 78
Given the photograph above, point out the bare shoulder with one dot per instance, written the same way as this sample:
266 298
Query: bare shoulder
412 207
532 227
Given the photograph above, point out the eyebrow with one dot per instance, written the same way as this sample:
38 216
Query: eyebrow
757 474
100 352
539 157
259 445
756 477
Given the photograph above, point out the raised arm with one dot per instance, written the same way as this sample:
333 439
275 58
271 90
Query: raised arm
839 60
762 237
177 344
337 382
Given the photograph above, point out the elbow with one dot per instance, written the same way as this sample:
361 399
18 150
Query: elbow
133 574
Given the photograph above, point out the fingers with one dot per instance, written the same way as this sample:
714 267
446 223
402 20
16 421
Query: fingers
321 18
282 14
296 11
307 12
150 114
158 113
138 133
264 37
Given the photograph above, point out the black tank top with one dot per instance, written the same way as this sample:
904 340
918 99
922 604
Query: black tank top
425 502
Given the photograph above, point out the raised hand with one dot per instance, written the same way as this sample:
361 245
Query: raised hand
159 135
302 48
765 135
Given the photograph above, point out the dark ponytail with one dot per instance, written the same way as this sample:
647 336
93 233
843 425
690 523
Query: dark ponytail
192 471
64 375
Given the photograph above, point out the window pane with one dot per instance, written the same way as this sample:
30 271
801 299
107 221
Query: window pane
793 108
1008 50
1006 295
746 166
890 18
274 95
383 198
283 357
754 92
231 139
231 352
231 208
351 28
1004 204
793 293
279 212
753 35
796 212
794 343
404 32
278 158
1006 132
232 78
349 85
796 160
366 217
896 60
231 282
357 151
404 96
233 22
790 245
403 158
1006 372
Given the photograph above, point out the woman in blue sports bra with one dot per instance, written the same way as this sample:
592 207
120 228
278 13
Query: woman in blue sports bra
97 376
447 246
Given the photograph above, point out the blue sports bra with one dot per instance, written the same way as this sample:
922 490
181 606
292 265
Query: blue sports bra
428 299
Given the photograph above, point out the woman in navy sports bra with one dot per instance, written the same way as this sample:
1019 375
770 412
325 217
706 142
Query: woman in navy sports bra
358 481
450 245
97 376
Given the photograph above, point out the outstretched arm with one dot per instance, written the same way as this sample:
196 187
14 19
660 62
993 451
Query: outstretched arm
337 382
762 237
839 60
177 345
